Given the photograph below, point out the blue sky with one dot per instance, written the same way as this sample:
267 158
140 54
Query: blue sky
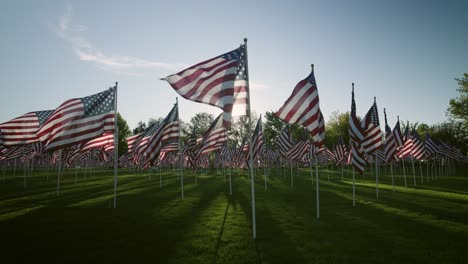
406 53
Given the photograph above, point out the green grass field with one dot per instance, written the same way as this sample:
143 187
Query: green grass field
427 223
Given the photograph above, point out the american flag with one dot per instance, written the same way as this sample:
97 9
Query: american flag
220 81
451 152
371 126
22 130
257 140
418 151
405 150
299 151
356 134
340 151
190 150
431 145
284 141
213 139
303 108
397 135
79 120
140 143
240 155
167 130
131 144
390 145
101 141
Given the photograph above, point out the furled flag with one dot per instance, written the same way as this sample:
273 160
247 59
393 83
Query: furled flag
167 130
390 145
213 139
284 141
22 130
356 134
78 120
257 140
371 126
303 108
397 135
418 151
220 81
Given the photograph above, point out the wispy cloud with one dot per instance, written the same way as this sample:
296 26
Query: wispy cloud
258 86
85 51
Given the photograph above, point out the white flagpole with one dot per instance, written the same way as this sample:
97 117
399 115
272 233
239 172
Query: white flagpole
116 147
420 171
292 180
180 155
252 180
317 186
414 172
58 174
376 176
354 190
393 181
404 171
230 183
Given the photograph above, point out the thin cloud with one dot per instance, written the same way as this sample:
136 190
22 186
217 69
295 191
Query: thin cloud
85 51
258 86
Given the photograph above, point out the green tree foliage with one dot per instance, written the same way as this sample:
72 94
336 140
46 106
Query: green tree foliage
200 122
239 128
272 128
452 132
458 108
141 126
336 126
124 132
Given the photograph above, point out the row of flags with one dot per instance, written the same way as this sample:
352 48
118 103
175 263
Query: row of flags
89 123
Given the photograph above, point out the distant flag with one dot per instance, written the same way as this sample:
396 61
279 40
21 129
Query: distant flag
284 141
371 127
167 130
431 145
390 145
418 151
397 135
357 136
213 139
22 130
299 151
78 120
341 151
303 108
102 141
220 81
405 150
257 140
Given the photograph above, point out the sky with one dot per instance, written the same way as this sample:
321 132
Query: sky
405 53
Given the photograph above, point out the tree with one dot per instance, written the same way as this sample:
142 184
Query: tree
337 125
155 121
141 126
272 128
124 132
458 108
452 132
239 128
200 122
